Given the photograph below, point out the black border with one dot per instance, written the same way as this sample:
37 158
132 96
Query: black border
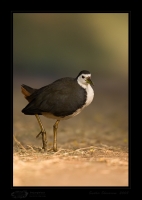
67 191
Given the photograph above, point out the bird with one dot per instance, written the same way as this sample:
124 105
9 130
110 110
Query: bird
59 100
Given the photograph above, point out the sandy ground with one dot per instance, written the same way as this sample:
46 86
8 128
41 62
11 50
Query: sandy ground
92 147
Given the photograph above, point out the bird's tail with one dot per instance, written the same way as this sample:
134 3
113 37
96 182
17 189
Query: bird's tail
27 91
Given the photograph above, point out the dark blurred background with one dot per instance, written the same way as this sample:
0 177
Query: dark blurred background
48 46
63 44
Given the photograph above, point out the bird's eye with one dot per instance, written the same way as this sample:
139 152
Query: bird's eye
83 77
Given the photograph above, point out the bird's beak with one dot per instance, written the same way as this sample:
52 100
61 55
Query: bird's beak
88 80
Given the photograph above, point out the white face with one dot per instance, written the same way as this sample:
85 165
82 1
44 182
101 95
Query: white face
82 80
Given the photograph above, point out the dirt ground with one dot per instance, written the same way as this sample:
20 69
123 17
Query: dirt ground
92 147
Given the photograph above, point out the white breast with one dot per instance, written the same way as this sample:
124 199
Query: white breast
89 90
90 95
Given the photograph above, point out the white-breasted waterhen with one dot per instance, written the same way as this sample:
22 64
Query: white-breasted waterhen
60 100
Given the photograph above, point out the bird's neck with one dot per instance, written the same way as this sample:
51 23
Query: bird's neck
85 86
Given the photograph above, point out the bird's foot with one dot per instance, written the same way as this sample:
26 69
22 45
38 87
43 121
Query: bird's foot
55 146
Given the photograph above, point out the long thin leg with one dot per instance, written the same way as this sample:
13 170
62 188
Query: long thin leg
43 132
55 127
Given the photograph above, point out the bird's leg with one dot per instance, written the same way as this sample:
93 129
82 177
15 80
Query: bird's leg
43 132
55 127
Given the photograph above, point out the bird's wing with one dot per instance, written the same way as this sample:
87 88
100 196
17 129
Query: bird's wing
61 98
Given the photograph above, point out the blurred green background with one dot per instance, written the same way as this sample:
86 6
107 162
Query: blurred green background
62 44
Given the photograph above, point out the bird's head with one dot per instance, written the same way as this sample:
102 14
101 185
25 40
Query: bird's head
84 78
